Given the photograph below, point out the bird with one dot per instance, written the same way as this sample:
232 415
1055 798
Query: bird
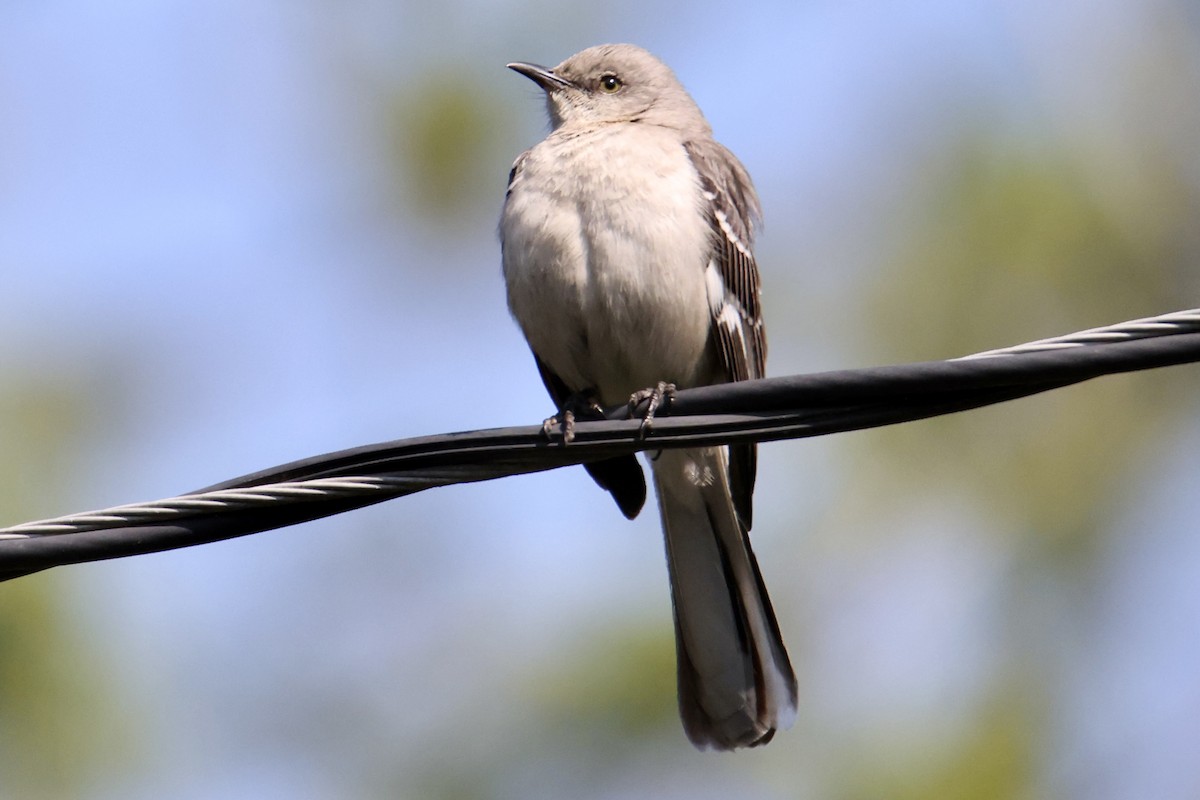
627 250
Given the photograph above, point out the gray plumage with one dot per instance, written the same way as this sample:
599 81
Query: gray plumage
627 241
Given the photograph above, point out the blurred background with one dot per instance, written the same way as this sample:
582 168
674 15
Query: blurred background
233 234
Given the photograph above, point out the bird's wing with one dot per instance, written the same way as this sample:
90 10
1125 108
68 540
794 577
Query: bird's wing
734 290
514 172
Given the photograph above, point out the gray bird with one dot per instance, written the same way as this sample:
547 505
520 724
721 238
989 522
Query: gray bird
626 237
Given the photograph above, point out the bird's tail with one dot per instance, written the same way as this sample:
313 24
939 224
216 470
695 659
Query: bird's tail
736 684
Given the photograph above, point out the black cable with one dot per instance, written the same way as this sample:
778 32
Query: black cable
770 409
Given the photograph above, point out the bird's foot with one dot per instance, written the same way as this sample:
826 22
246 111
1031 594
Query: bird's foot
579 405
564 421
663 392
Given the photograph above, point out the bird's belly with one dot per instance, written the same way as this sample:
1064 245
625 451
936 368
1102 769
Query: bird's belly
646 321
621 307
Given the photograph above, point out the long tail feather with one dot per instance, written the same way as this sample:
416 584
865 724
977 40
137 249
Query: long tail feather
736 685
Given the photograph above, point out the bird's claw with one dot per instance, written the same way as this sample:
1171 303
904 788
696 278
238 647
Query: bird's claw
662 392
580 404
563 421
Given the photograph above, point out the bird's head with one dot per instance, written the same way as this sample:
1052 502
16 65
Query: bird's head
614 83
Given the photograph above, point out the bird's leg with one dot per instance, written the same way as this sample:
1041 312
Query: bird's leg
579 405
656 395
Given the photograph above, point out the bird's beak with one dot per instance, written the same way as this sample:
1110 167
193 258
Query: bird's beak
542 76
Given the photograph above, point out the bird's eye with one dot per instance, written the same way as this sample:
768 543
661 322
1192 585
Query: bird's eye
610 84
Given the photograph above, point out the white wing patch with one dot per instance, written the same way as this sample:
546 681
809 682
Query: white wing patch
730 320
726 311
715 285
730 317
727 229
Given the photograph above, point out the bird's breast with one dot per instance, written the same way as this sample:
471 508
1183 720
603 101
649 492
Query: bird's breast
605 249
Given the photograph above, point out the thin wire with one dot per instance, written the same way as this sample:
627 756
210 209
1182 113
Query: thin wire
220 500
1164 325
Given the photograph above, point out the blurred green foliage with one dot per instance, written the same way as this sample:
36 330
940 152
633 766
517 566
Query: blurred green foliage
621 681
1010 241
1015 245
59 726
444 130
994 758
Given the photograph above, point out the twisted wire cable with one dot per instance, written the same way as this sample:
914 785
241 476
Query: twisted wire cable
763 410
